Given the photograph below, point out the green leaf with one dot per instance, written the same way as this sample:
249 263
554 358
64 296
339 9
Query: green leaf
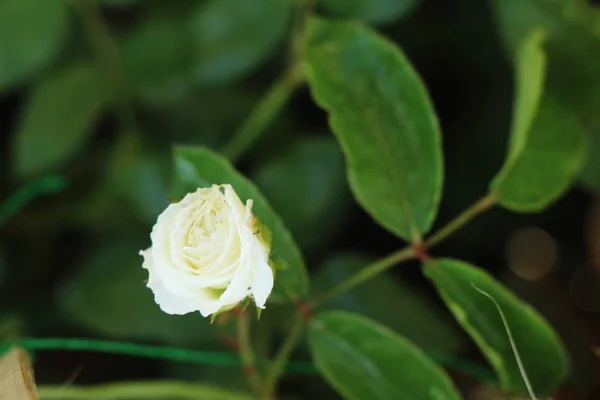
530 72
542 352
157 57
547 142
380 112
107 295
547 164
233 37
197 167
57 119
32 33
389 301
306 185
373 11
363 360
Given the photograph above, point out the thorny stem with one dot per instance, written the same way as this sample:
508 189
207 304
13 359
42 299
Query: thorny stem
246 353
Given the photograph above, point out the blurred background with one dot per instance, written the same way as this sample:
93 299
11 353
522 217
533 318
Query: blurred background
93 95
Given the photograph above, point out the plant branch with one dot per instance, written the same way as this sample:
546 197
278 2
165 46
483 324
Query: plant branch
276 367
482 205
407 253
364 274
246 352
262 115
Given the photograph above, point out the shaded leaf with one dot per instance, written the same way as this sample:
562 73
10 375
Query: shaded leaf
202 117
307 187
2 266
107 295
200 167
541 350
363 360
392 302
590 173
373 11
157 57
573 75
380 113
233 37
32 33
139 176
57 119
120 2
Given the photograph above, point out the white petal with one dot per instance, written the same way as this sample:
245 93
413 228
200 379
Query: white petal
178 305
237 207
262 283
239 286
172 304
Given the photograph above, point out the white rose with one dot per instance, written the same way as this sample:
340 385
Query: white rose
207 254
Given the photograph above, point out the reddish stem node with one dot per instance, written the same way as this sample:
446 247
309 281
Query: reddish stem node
223 319
249 370
231 342
304 309
420 250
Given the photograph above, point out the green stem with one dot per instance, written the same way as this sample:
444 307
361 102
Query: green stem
246 352
364 274
262 115
109 60
277 365
466 216
143 390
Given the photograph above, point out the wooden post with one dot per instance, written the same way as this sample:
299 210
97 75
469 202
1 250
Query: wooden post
16 376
